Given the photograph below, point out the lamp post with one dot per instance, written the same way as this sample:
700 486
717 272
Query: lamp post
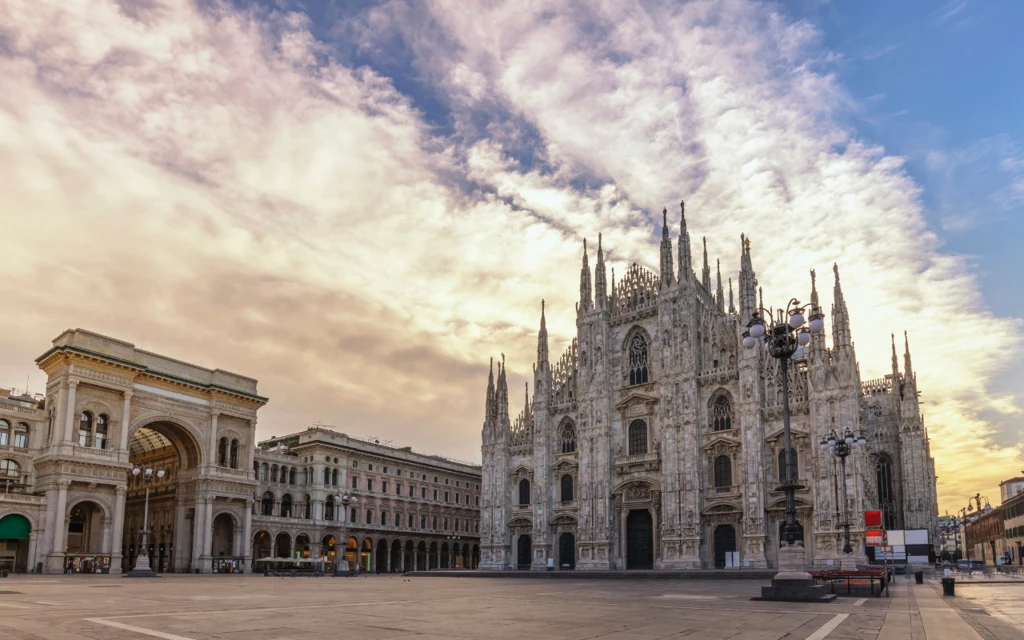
983 507
142 568
345 498
841 447
782 335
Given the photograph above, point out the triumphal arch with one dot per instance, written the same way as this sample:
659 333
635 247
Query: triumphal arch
110 406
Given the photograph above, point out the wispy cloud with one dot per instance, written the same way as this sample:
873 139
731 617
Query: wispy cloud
948 10
215 183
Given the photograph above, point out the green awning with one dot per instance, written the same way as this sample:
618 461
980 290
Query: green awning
14 527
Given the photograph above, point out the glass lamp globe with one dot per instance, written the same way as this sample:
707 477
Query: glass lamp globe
817 325
149 472
160 473
831 441
862 441
757 329
803 338
796 320
824 445
849 439
136 471
970 507
749 342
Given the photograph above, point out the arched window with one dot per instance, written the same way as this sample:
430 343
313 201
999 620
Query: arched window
291 476
102 429
398 520
329 508
267 503
20 435
222 452
637 438
5 433
886 498
286 506
263 472
354 516
384 518
9 469
723 472
782 465
327 476
524 492
567 437
566 488
84 429
721 414
433 523
369 517
637 360
234 454
423 522
334 478
445 524
308 507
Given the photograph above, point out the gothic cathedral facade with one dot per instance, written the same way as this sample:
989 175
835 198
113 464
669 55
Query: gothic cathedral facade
656 440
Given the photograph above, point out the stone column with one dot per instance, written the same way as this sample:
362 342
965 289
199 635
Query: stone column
126 423
106 548
205 563
72 415
32 551
60 531
246 548
198 526
116 557
213 439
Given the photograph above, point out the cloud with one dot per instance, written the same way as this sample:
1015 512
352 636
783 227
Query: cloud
948 10
217 184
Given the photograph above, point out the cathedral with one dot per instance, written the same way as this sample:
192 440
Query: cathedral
655 441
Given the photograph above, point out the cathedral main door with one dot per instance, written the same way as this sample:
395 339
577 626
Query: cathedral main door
524 546
639 540
567 551
725 542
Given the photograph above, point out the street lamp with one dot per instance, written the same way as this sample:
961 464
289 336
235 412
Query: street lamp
782 335
841 447
983 507
345 499
142 568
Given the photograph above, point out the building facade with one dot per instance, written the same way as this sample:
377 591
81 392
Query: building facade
411 511
69 502
656 441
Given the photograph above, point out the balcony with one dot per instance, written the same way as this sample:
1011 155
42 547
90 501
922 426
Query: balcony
725 492
566 505
638 462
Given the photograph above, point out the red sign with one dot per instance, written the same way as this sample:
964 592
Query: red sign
874 538
872 518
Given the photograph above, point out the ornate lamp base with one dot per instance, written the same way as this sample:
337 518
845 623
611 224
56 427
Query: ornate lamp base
142 569
792 583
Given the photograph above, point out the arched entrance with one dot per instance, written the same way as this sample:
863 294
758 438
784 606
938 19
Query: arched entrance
725 542
366 555
382 556
223 536
476 556
85 540
432 558
524 552
567 551
351 551
444 556
15 531
421 556
302 545
396 556
327 544
175 539
283 545
410 553
261 549
639 540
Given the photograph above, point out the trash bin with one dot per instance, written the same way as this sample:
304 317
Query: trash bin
948 586
919 577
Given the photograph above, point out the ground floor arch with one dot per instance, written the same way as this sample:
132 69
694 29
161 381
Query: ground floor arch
639 539
283 545
381 556
422 560
15 539
395 562
723 543
566 550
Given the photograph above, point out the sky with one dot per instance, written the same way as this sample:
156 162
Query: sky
360 203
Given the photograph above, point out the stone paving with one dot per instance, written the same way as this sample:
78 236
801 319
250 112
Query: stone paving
182 607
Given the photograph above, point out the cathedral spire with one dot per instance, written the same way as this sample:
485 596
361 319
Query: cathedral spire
685 268
817 339
748 281
732 307
586 295
719 293
706 273
667 277
840 316
908 369
895 360
491 405
501 393
601 291
542 340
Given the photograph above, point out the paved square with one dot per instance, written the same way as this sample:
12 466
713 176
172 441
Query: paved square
177 607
